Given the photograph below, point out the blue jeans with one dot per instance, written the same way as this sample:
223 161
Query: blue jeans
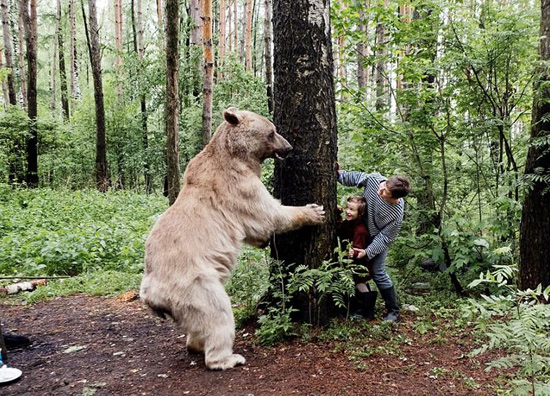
380 276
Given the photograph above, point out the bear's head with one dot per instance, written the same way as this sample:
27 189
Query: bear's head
249 135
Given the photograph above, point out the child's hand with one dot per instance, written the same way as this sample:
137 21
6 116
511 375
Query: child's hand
358 253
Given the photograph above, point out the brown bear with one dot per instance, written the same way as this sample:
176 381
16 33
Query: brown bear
193 247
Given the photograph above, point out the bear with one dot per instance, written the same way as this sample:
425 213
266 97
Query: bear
194 245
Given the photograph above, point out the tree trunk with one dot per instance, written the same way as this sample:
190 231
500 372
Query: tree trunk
102 177
72 49
304 113
208 71
535 220
118 45
4 86
53 105
160 23
62 71
30 23
268 55
8 52
138 47
248 36
22 71
363 47
229 25
222 38
380 72
235 27
172 101
197 22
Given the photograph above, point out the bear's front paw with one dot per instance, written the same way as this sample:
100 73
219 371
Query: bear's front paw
317 213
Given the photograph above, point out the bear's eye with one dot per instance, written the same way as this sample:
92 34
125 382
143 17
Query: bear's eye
271 136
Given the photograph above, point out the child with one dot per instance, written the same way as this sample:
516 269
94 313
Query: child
355 232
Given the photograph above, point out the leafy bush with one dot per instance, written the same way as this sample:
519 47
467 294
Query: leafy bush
47 232
517 321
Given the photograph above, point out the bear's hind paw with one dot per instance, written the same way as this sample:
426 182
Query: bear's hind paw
228 362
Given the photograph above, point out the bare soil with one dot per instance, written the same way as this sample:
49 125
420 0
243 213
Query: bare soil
85 345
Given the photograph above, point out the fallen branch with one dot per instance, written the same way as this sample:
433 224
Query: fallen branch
21 286
35 277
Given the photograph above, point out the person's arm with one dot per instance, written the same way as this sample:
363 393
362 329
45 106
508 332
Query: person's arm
352 178
383 239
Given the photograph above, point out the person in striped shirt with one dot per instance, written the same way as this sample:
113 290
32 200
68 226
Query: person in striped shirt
383 217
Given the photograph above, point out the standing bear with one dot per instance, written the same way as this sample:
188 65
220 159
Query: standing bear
193 247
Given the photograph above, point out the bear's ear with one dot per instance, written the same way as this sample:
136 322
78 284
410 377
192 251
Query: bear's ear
231 115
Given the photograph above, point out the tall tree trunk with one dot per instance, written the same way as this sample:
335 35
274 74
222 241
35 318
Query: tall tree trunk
102 177
380 71
30 23
138 47
16 173
304 113
229 27
172 101
208 71
535 221
72 49
268 42
22 71
235 27
363 45
160 23
53 105
222 38
248 36
118 45
8 52
62 71
195 11
4 86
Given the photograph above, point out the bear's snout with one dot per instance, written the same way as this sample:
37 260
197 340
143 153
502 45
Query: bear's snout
283 152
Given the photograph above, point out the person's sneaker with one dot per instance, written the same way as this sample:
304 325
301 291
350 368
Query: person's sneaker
13 341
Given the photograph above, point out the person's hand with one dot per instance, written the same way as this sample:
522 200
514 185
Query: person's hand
358 253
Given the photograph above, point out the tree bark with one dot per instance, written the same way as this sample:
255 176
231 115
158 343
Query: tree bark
208 71
22 71
363 46
304 113
29 16
62 70
8 52
535 221
248 36
139 48
4 86
380 72
118 45
222 37
172 101
102 177
268 42
195 11
72 49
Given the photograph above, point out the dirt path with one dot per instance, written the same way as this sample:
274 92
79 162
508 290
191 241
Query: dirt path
87 345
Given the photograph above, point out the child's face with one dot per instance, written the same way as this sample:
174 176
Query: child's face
352 211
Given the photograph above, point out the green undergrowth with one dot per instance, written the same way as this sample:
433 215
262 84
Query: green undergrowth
62 232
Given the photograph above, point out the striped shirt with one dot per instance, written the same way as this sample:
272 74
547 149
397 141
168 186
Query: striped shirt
383 219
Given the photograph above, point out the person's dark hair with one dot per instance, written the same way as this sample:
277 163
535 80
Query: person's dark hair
399 186
361 204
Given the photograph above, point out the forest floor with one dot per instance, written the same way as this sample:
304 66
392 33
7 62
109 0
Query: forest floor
84 345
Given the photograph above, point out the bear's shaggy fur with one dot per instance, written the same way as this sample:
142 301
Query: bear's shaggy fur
194 245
